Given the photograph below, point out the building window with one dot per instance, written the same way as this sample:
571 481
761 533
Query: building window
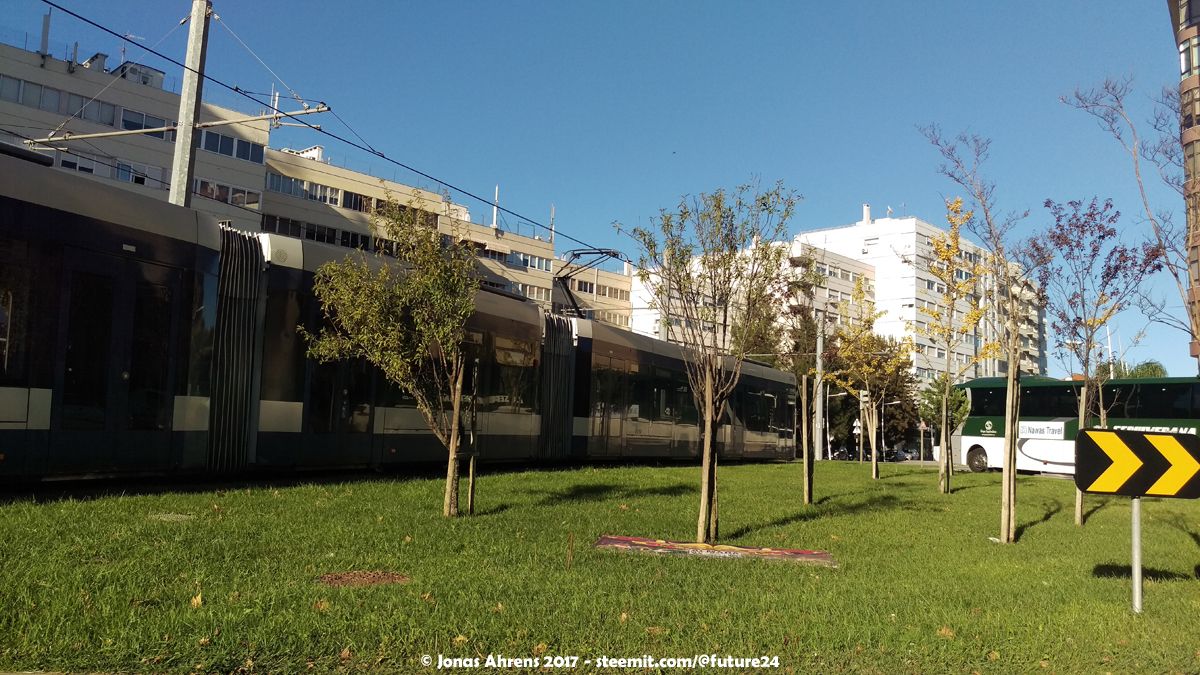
230 146
585 286
77 162
139 174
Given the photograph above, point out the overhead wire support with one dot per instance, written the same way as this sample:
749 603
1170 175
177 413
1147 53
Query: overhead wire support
325 132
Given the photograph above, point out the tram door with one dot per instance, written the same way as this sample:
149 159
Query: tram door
115 365
608 406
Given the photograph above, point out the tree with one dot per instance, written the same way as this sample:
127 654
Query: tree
1106 104
1118 370
955 317
870 364
1091 278
930 404
701 262
408 318
1010 270
800 332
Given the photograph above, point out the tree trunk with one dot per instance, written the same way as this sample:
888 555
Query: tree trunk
707 450
807 458
946 466
1084 395
450 502
1008 497
871 426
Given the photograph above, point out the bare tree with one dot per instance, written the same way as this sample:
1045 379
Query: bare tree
1107 104
1009 287
701 262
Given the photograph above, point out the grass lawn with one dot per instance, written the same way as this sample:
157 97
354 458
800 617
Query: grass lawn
227 579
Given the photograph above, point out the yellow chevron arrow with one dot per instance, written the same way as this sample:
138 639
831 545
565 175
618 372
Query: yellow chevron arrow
1124 462
1183 466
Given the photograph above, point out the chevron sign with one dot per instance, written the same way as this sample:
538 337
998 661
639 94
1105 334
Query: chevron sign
1137 463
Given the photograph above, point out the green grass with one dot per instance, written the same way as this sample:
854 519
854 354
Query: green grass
108 583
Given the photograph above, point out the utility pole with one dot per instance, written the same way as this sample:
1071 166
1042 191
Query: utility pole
184 163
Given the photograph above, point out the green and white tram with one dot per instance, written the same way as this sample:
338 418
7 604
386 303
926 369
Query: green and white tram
1049 418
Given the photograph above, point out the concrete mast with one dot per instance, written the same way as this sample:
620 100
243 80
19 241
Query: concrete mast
184 163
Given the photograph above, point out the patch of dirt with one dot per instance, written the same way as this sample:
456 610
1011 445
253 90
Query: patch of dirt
171 517
362 578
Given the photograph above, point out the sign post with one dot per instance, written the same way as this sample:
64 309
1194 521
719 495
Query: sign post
1136 464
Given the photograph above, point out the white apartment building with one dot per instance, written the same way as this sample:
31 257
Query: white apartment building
602 294
899 249
836 276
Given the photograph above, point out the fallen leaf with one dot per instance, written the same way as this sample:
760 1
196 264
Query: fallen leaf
946 632
321 605
248 665
428 597
624 507
498 608
623 618
835 537
540 648
460 640
407 539
345 654
198 600
204 642
1044 663
993 655
657 630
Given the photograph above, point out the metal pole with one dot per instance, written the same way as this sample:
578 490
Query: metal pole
1136 567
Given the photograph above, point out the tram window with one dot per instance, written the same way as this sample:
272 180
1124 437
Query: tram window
6 309
283 351
204 324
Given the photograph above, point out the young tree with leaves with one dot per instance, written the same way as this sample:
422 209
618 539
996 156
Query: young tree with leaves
406 316
870 365
701 262
933 401
1092 277
1116 369
955 318
1009 288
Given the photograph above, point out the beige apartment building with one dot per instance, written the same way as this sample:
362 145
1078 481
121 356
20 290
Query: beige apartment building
42 96
238 178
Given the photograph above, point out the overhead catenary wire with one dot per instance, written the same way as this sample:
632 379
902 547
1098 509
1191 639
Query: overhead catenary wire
342 139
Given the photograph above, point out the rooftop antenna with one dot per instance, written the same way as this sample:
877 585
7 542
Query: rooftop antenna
552 223
129 37
496 206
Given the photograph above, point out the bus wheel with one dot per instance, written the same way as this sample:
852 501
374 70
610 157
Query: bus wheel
977 460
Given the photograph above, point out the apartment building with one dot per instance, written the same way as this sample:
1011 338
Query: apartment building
899 251
835 278
1185 22
238 177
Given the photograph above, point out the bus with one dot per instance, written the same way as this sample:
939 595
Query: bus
1049 418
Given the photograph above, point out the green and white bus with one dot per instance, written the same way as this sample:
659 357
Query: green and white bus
1049 418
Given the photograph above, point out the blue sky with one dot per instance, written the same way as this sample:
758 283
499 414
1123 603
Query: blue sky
611 110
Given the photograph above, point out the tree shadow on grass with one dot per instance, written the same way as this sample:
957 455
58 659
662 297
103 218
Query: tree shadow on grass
1180 523
592 492
1052 509
493 510
1096 506
1114 571
879 502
